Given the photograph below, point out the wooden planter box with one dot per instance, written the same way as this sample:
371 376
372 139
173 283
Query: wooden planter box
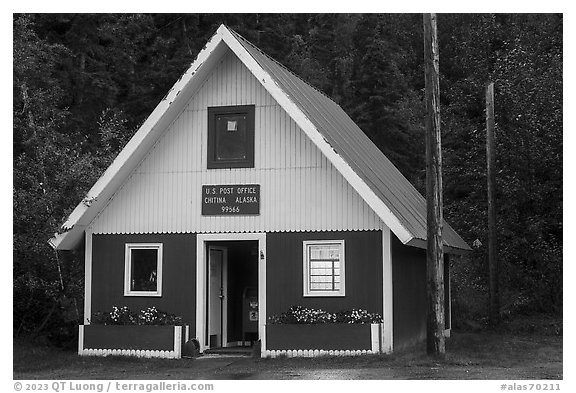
322 339
131 340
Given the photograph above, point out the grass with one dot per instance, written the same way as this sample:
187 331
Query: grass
31 362
469 355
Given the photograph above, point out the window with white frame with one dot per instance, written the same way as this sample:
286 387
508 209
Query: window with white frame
324 268
143 269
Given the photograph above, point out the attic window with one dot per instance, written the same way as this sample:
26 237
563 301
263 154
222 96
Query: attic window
231 137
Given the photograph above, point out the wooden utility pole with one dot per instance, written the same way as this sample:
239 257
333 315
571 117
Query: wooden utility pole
494 308
435 254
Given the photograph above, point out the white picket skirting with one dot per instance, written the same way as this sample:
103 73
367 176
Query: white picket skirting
376 339
313 353
129 352
176 353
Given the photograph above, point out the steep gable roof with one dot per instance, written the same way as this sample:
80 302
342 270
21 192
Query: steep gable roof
365 167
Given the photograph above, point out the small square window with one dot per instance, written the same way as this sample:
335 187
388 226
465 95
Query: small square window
231 137
324 268
143 269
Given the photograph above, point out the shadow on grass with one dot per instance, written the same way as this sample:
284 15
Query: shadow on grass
30 358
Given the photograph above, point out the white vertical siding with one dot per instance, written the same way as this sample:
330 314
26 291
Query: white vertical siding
300 189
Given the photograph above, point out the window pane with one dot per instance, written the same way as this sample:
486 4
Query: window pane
144 269
231 137
320 265
319 286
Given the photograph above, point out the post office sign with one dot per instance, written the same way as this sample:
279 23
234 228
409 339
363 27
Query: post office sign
230 199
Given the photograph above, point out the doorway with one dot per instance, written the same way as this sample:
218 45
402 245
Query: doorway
232 309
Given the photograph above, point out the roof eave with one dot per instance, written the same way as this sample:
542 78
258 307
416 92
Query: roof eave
127 159
316 136
405 233
449 249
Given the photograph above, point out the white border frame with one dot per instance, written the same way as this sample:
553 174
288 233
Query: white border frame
306 264
128 273
201 290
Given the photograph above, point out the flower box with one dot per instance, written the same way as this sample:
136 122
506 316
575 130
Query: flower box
132 340
363 338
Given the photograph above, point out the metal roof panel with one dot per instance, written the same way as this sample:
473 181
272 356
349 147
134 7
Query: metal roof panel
348 140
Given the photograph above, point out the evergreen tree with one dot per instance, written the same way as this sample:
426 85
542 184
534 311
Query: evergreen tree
380 91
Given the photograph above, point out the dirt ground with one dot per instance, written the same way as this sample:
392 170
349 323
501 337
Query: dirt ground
480 355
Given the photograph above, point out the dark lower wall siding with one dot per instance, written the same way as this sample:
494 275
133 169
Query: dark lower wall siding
284 271
179 274
409 294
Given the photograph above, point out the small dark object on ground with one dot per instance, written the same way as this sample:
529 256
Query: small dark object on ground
191 349
256 349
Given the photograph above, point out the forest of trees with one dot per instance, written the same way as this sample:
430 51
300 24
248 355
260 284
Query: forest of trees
83 83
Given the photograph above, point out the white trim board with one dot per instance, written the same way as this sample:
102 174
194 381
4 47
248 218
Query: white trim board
388 294
88 278
134 151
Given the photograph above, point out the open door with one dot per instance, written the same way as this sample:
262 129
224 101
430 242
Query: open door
230 289
217 296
